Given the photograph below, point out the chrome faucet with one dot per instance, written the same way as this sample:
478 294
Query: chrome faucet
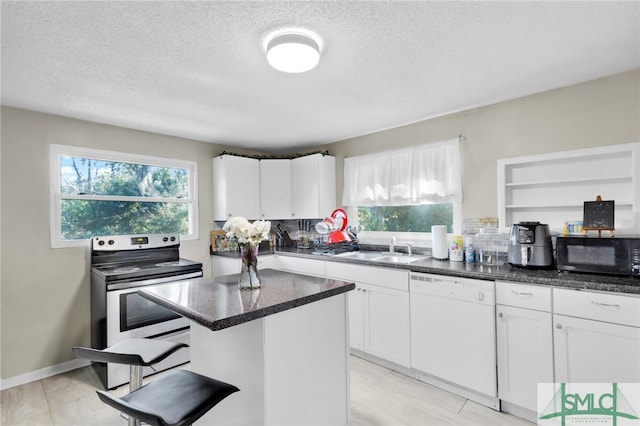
409 249
392 245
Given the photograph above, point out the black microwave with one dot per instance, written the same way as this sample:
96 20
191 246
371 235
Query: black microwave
601 255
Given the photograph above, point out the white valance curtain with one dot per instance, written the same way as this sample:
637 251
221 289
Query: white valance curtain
423 174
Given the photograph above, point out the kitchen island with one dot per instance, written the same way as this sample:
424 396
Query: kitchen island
284 345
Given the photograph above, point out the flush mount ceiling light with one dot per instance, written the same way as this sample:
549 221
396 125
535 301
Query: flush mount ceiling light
293 52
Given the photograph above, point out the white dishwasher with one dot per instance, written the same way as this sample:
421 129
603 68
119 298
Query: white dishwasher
453 337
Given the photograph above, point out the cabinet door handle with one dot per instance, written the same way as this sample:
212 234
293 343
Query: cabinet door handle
500 315
606 305
520 293
559 326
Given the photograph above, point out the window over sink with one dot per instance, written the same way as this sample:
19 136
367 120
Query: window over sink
417 218
404 192
96 192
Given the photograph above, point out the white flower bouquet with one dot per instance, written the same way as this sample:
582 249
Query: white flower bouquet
246 233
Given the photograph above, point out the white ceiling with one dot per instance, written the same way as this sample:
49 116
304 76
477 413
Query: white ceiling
198 69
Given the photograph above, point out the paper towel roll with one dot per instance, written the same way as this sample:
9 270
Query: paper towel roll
439 243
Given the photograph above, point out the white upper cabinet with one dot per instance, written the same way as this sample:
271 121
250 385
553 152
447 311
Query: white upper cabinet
236 187
302 188
275 189
313 186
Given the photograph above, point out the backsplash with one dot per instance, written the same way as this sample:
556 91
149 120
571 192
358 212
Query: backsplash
290 225
472 225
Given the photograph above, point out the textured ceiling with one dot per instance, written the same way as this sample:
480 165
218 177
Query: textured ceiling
198 69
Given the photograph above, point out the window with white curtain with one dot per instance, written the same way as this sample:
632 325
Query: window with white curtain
405 190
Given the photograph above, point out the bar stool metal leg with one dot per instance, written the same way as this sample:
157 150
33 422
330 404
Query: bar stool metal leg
135 382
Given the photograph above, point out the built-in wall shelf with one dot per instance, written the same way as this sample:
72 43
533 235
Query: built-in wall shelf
586 181
552 188
563 206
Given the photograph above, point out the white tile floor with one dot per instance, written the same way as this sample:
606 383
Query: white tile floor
379 397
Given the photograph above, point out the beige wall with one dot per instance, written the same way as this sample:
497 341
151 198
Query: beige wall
45 292
600 112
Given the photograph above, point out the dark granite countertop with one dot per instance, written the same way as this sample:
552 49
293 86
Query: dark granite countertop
219 303
618 284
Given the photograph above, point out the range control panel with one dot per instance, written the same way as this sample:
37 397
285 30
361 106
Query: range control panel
134 242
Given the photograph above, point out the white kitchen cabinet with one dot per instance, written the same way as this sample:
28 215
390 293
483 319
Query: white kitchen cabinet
524 345
266 261
596 337
275 189
236 187
300 265
384 322
378 310
356 318
222 265
313 186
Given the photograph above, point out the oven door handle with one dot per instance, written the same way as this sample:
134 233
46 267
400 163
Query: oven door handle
153 281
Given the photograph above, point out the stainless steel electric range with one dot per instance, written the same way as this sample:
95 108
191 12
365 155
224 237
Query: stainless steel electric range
120 266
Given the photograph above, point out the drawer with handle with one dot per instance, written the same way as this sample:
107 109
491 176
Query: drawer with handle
523 296
613 308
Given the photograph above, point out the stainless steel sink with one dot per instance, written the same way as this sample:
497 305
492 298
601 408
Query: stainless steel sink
362 255
401 258
382 256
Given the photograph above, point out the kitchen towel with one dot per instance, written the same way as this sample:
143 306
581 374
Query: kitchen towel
439 243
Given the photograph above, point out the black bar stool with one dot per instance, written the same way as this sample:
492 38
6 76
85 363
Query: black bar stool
179 398
136 353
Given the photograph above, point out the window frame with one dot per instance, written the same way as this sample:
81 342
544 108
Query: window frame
56 152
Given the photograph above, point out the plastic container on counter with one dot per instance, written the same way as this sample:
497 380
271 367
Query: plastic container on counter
456 248
491 247
469 249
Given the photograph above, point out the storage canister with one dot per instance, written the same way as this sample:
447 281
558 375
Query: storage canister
488 246
456 248
469 249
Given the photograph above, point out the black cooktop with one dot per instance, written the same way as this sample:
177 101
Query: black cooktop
111 272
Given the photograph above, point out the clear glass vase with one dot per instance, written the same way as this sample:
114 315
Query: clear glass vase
249 277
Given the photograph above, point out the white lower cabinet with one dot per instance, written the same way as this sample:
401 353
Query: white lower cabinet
596 337
377 318
542 334
222 265
378 310
524 344
266 261
300 265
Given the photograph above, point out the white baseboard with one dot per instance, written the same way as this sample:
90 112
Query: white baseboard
490 401
43 373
